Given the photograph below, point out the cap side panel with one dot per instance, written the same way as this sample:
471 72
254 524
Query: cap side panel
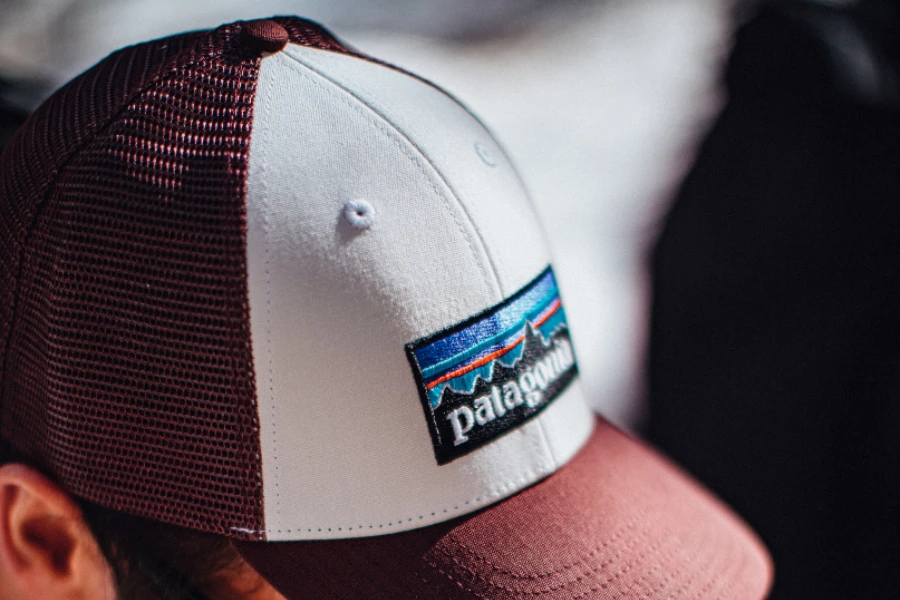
460 149
308 33
48 139
467 157
346 447
331 310
129 370
72 116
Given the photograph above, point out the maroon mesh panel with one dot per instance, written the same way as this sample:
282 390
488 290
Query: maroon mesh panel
127 367
47 140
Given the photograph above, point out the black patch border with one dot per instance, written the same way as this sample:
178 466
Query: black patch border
442 455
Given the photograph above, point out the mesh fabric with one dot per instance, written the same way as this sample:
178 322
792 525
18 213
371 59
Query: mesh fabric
126 364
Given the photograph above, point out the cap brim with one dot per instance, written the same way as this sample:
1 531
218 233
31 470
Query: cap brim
618 521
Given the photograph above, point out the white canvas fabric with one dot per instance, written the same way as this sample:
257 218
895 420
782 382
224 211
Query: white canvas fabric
439 230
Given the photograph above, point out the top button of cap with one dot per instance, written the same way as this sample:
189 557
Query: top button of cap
265 35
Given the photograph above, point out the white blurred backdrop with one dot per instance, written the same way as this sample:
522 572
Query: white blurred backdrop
600 104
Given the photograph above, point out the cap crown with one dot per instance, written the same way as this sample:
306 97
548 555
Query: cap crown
383 354
125 360
196 330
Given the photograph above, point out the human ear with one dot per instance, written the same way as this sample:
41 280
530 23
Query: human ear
47 551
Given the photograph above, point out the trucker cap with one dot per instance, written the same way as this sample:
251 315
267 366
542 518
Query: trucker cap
260 285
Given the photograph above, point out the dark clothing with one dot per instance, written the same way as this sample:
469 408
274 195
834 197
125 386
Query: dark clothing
774 362
16 95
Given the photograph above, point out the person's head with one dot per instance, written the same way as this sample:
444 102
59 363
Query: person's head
269 305
53 545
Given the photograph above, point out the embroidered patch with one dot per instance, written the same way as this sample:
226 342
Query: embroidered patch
489 374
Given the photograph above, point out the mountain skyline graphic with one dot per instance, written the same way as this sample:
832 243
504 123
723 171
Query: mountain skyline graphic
535 347
454 423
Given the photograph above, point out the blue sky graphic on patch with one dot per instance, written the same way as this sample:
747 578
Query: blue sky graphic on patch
458 362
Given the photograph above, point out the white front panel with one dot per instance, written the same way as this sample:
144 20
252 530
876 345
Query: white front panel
346 449
459 148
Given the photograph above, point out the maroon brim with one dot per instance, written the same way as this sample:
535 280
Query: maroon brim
618 521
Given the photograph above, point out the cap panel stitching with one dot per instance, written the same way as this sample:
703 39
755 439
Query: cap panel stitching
458 509
200 52
394 133
490 256
43 190
616 534
398 139
636 539
270 84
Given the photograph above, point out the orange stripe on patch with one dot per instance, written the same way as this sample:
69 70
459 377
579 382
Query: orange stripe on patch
496 354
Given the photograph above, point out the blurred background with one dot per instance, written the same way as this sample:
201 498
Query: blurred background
720 183
600 105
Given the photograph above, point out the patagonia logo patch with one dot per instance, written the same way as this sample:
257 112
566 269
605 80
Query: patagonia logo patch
489 374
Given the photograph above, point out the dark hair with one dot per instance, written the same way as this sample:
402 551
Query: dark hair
151 560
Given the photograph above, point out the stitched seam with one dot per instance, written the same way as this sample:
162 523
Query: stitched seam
731 584
469 505
640 537
617 534
667 577
655 573
393 133
458 583
50 185
397 137
720 573
547 446
686 585
726 593
264 213
670 551
624 568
